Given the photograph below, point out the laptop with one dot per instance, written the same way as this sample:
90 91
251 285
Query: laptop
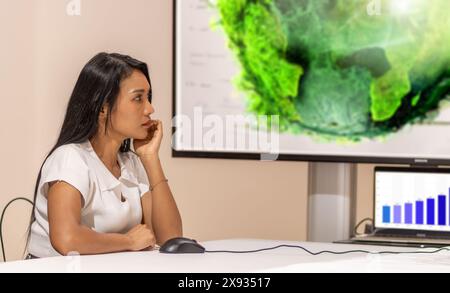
411 208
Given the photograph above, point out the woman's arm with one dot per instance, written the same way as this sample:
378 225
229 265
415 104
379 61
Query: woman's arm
68 235
159 204
163 212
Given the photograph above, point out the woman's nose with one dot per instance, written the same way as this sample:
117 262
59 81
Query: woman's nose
149 109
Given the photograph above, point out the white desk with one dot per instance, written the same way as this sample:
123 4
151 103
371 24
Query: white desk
279 260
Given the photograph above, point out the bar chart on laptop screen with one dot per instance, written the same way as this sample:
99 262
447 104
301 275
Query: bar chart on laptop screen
412 201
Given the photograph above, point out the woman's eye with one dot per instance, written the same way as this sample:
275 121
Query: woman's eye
138 98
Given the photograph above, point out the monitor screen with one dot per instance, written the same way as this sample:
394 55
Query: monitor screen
412 199
326 80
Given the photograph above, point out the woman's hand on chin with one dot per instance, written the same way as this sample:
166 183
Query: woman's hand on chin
149 147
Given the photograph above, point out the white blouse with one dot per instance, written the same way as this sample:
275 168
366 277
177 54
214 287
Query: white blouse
103 210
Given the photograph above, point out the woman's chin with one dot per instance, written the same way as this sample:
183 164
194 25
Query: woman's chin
142 135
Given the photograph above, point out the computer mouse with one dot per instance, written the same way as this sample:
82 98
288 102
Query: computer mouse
181 245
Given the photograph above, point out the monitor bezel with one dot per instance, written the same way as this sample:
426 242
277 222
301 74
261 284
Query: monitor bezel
423 161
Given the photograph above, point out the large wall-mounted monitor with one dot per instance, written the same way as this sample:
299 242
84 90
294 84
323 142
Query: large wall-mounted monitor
313 80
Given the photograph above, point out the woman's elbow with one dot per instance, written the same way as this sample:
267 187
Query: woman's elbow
63 243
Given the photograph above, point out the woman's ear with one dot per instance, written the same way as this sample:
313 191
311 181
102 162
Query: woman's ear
104 110
102 115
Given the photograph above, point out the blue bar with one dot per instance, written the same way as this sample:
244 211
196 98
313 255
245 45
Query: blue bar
419 212
397 214
441 210
430 211
386 214
408 213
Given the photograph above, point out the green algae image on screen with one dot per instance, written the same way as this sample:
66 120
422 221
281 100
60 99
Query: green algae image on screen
340 70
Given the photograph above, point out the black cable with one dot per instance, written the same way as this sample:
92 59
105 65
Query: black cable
1 222
331 252
355 230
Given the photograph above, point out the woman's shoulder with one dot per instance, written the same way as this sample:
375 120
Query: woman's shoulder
70 147
68 154
67 163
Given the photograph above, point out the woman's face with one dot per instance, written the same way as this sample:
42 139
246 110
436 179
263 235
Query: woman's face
131 114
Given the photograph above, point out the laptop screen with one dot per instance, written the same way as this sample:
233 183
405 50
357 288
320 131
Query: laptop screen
412 199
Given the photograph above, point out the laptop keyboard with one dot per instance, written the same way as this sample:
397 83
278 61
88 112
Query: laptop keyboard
413 236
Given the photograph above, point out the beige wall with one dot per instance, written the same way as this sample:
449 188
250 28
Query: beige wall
43 51
364 191
17 115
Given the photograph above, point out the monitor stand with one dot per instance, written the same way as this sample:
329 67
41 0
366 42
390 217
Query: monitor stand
331 201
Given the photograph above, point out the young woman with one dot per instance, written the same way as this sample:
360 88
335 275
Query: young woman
102 189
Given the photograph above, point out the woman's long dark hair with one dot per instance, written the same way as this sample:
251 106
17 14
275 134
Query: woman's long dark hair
98 83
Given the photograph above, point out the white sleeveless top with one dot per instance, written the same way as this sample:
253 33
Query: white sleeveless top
103 209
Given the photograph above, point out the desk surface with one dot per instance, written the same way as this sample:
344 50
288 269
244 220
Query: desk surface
278 260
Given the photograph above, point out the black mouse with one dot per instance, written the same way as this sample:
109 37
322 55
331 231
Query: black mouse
181 245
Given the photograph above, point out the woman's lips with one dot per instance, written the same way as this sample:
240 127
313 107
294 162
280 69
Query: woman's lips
147 124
